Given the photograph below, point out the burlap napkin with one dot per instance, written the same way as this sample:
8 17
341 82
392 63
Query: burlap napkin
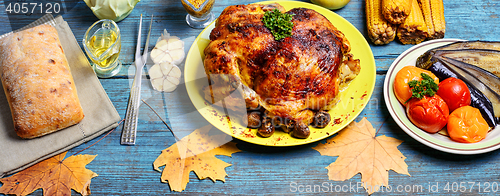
100 115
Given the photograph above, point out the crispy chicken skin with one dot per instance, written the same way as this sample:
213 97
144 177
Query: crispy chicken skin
285 77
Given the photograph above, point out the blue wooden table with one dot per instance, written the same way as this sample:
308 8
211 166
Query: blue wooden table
128 170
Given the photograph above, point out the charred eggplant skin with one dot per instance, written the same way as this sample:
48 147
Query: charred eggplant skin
476 44
482 54
477 78
486 59
424 60
478 100
491 81
428 62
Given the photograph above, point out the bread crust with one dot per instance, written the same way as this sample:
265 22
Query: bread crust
37 82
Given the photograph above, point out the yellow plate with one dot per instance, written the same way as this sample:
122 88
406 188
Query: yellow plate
352 100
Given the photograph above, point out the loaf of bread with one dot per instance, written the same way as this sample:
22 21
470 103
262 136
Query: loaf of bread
38 83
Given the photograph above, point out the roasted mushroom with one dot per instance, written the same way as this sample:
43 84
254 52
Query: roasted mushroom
277 121
287 125
301 130
321 119
267 128
254 120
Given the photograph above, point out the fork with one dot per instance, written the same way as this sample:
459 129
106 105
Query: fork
130 124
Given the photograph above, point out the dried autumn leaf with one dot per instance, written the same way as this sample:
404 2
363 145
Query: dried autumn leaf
54 175
359 151
195 152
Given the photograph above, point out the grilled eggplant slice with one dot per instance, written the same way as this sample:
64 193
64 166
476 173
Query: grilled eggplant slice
490 80
481 102
436 67
488 60
464 75
484 54
490 45
478 99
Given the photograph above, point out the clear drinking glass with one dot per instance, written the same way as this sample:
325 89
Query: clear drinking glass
102 44
199 12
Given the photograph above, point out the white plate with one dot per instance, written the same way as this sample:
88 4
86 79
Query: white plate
397 111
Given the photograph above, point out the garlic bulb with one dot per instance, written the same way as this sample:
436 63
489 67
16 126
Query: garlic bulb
168 49
168 52
165 76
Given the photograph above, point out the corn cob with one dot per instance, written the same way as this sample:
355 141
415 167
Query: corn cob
413 30
379 30
433 11
396 11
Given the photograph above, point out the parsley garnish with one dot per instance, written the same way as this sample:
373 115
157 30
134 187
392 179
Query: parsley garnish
426 86
280 24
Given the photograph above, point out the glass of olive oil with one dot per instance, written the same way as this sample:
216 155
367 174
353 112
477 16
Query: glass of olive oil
102 44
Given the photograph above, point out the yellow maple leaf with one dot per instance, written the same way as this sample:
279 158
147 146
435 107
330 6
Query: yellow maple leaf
359 151
54 175
195 152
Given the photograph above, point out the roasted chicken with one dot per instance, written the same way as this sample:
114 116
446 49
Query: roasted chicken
290 77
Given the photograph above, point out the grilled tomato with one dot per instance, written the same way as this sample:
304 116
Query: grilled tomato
454 92
467 125
429 113
402 90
